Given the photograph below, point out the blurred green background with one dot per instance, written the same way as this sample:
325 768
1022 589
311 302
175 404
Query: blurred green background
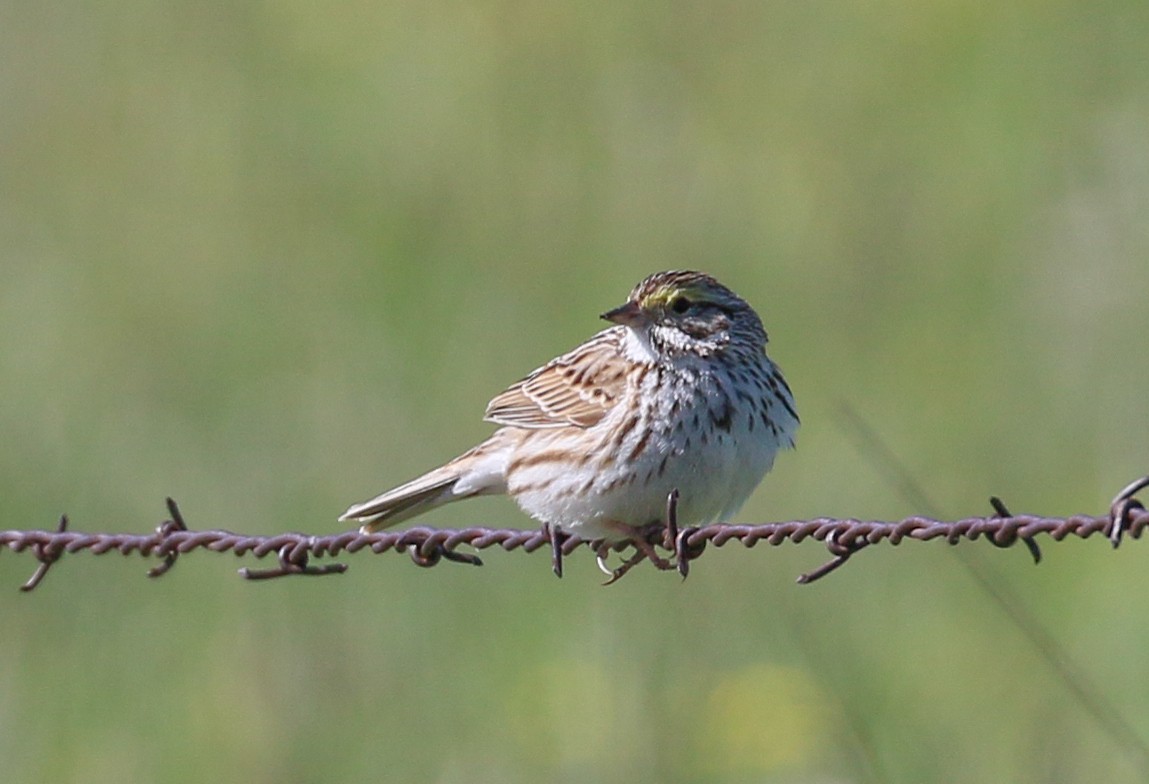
271 258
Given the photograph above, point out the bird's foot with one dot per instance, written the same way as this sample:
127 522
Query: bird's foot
643 551
615 575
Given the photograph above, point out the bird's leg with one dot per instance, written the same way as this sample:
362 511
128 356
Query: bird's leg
645 548
639 537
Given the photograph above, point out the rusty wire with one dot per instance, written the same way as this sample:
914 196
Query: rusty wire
430 546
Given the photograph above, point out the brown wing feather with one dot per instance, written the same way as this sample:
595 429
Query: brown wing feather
577 388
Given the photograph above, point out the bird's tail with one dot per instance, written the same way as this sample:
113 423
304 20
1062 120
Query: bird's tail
477 472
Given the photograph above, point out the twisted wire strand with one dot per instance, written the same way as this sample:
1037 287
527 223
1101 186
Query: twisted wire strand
847 532
429 546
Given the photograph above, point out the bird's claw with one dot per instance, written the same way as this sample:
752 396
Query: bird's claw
643 551
615 575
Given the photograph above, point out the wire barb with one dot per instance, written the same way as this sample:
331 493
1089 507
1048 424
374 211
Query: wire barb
556 537
165 530
1122 508
430 553
46 554
292 560
1000 511
841 552
431 546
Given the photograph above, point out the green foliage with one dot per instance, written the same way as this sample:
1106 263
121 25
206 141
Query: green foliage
271 258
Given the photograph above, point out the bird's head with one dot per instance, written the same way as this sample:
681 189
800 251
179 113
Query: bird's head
685 312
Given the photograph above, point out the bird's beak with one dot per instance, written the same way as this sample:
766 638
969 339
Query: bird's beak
629 315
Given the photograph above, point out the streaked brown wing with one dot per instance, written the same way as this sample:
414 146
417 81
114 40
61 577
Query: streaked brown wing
577 388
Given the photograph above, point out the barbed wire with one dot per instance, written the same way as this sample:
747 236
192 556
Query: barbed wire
430 546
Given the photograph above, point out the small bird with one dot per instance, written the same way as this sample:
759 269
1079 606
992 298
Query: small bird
679 394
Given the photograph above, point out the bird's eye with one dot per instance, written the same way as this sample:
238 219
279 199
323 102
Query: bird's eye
680 305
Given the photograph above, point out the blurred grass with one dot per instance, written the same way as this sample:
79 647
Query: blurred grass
270 258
